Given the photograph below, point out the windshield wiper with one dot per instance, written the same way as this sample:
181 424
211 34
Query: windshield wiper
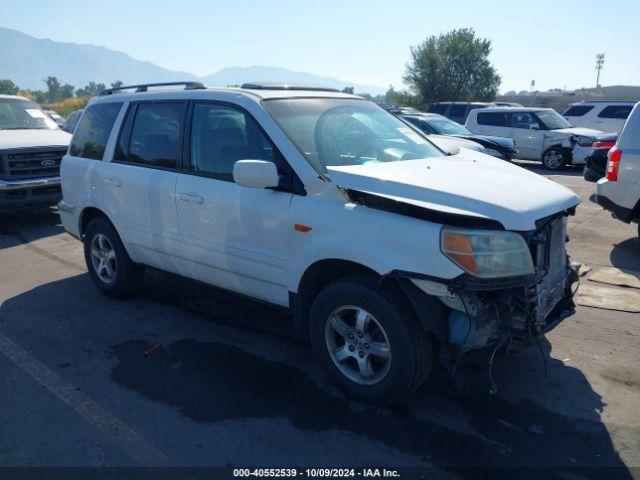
22 128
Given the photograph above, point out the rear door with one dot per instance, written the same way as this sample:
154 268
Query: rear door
138 185
232 236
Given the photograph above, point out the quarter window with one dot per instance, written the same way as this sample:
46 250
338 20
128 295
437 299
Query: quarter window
620 112
155 135
91 136
495 119
221 135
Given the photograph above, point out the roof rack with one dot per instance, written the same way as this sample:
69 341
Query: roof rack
143 87
286 86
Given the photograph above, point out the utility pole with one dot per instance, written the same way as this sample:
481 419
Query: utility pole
599 64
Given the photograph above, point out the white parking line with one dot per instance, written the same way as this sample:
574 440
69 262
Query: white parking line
121 434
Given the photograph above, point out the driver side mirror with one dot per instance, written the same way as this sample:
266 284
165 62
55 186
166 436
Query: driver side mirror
256 174
535 126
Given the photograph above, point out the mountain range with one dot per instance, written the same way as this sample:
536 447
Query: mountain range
28 61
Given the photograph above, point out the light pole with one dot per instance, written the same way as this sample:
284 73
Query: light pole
599 64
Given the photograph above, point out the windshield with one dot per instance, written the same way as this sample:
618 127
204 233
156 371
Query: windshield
337 132
552 119
444 126
20 114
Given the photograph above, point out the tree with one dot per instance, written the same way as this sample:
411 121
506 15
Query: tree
348 90
53 90
453 66
7 87
117 84
90 90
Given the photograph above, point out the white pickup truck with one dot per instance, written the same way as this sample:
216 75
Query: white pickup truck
386 251
31 149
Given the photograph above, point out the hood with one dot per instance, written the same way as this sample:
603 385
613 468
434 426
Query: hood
469 184
490 141
587 132
452 145
33 138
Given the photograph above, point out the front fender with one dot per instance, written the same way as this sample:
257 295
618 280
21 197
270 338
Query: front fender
379 240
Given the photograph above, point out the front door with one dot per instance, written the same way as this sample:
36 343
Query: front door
232 236
528 134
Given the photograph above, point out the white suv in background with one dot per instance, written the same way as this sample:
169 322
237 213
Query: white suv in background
385 250
619 190
539 133
605 115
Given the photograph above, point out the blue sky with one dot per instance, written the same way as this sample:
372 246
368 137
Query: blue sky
368 42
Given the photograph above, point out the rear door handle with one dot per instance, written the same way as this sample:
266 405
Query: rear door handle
187 197
112 182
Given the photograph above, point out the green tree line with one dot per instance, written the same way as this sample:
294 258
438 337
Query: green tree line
55 90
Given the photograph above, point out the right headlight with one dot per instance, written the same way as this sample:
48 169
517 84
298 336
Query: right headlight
487 253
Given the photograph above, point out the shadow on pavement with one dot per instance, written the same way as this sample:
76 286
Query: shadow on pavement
28 225
208 381
626 255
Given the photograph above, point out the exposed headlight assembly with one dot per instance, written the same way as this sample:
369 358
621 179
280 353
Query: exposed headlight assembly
583 141
487 253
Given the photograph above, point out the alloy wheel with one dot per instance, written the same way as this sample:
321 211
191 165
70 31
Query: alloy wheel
103 258
358 345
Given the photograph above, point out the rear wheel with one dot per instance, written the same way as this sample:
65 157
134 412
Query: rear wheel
554 158
369 344
109 265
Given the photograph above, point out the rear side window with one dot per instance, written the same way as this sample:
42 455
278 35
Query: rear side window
620 112
91 136
458 110
155 135
438 108
496 119
577 110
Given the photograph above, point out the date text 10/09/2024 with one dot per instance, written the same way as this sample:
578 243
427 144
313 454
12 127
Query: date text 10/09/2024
316 472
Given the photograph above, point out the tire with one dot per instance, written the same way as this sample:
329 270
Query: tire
554 158
409 352
119 276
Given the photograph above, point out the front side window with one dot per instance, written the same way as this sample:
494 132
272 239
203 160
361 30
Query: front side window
524 120
337 132
619 112
221 135
552 119
22 114
90 138
494 119
155 134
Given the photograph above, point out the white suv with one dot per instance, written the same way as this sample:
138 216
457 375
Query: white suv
619 190
539 133
384 249
605 115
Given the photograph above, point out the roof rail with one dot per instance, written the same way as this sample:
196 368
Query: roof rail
286 86
143 87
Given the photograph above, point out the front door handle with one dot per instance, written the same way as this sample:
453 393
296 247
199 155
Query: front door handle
112 182
187 197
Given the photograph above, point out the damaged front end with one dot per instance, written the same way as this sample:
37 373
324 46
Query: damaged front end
482 312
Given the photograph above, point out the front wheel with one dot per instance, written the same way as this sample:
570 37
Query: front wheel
554 158
368 343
